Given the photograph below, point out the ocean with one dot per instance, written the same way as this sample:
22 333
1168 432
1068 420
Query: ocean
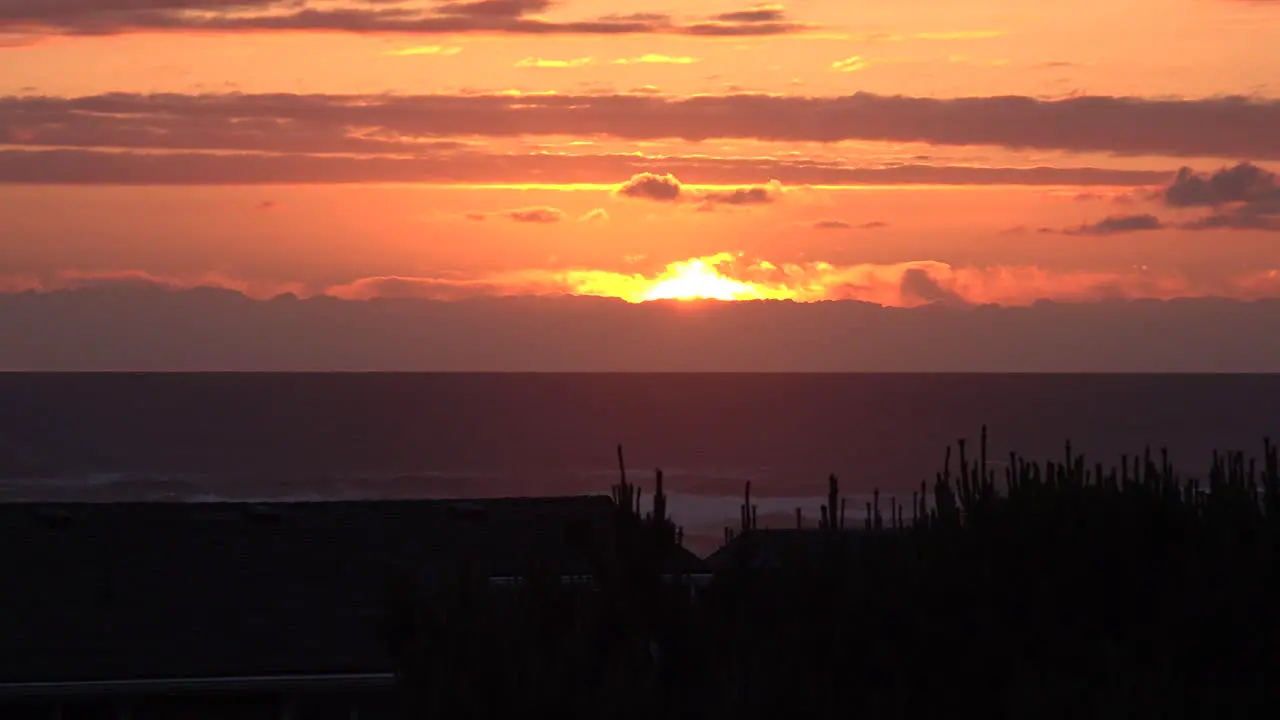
317 436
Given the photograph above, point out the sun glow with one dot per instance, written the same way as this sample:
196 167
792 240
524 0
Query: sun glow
699 279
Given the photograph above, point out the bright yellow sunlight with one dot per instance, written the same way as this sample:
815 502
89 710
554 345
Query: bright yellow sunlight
693 279
699 278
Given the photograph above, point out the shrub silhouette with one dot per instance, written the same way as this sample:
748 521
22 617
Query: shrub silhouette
1066 590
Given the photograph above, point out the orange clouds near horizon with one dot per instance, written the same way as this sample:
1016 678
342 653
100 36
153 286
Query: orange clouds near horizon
731 276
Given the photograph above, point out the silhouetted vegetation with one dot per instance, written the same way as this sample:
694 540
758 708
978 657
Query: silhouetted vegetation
1040 589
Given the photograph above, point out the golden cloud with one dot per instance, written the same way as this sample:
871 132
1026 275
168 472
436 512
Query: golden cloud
533 62
426 50
730 276
655 59
851 64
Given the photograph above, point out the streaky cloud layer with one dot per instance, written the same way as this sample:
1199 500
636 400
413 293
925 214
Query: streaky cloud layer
504 17
1228 127
68 166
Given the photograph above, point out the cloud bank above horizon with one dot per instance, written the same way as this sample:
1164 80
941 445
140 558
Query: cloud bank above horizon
141 326
913 156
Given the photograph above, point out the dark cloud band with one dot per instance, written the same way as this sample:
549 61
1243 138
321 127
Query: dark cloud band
518 17
96 167
1215 127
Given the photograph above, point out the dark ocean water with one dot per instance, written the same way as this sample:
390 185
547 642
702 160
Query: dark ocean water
316 436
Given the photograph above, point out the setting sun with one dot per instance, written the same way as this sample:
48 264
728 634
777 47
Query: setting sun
698 279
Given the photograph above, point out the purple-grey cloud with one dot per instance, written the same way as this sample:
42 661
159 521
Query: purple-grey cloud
535 215
214 329
845 226
1243 218
1118 224
52 9
1212 127
754 15
82 166
106 17
759 195
918 285
1242 197
1241 183
668 188
493 8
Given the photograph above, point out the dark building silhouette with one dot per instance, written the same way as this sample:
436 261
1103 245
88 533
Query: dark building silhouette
269 608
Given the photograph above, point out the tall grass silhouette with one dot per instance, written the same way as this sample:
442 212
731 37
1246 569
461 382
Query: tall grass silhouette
1062 589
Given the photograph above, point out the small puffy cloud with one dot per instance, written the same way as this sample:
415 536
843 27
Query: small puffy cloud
1242 183
1243 197
1118 224
538 215
476 217
594 215
650 186
668 188
755 195
758 195
267 205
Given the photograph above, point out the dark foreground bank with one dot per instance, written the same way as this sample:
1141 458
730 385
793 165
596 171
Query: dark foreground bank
1004 587
1061 589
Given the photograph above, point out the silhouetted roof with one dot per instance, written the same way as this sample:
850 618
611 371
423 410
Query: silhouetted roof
124 590
774 549
682 561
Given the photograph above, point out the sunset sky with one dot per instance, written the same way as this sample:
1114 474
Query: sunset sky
978 151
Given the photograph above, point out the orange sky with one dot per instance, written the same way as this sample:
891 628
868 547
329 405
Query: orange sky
818 150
